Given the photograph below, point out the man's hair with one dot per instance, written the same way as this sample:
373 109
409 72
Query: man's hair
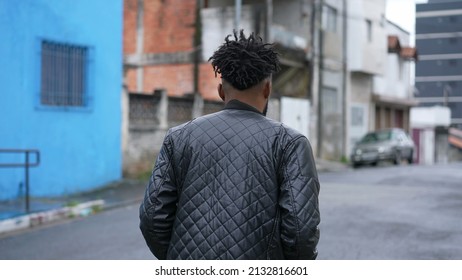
244 62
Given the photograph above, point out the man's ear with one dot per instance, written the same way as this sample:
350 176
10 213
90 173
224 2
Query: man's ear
267 89
221 93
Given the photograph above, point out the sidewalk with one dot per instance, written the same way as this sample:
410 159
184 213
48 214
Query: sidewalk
330 166
125 192
46 210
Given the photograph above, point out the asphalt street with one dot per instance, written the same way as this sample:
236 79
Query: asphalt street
110 235
404 212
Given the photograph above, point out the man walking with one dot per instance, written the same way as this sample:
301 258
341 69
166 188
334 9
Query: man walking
234 184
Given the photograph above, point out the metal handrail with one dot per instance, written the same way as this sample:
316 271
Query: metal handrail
26 166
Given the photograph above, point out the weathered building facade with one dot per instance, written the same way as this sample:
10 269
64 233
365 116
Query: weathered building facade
166 49
379 89
334 56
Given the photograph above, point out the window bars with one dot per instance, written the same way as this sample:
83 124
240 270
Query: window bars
63 74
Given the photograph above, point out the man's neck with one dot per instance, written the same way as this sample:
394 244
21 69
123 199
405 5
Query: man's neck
249 101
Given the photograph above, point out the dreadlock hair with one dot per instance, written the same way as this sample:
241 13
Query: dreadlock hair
245 62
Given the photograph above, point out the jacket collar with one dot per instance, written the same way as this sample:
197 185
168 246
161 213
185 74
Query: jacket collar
238 105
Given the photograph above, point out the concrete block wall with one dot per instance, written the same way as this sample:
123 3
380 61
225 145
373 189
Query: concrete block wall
142 150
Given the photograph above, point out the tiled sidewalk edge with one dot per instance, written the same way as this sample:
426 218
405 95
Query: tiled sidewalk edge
41 218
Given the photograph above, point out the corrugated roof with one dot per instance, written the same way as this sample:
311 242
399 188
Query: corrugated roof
394 46
409 53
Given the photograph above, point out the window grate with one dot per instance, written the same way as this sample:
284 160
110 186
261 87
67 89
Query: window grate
63 74
143 109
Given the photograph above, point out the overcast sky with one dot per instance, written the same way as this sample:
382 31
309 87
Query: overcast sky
402 12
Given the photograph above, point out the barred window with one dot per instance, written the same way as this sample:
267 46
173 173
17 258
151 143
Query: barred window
63 74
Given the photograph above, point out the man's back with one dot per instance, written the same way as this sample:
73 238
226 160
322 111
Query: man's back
227 204
228 169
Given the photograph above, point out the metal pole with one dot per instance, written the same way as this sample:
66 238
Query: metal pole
269 21
198 103
140 46
237 18
27 182
344 80
320 77
446 90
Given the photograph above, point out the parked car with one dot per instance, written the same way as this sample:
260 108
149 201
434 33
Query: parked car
384 145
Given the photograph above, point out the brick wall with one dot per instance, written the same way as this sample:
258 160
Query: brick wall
207 82
168 27
177 79
130 80
129 29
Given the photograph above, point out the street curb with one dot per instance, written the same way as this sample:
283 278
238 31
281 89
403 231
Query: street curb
44 217
109 206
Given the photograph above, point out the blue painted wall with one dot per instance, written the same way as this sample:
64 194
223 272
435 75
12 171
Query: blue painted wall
80 149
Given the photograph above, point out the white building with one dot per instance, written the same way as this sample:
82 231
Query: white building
393 92
367 53
331 69
379 90
336 59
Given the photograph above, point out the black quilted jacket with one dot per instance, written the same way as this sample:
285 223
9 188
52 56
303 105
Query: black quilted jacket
232 185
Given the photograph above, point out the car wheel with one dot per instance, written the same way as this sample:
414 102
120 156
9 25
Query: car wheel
398 159
374 163
356 165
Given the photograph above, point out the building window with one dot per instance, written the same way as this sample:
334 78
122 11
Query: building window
63 75
369 30
452 62
357 116
329 101
383 20
330 19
